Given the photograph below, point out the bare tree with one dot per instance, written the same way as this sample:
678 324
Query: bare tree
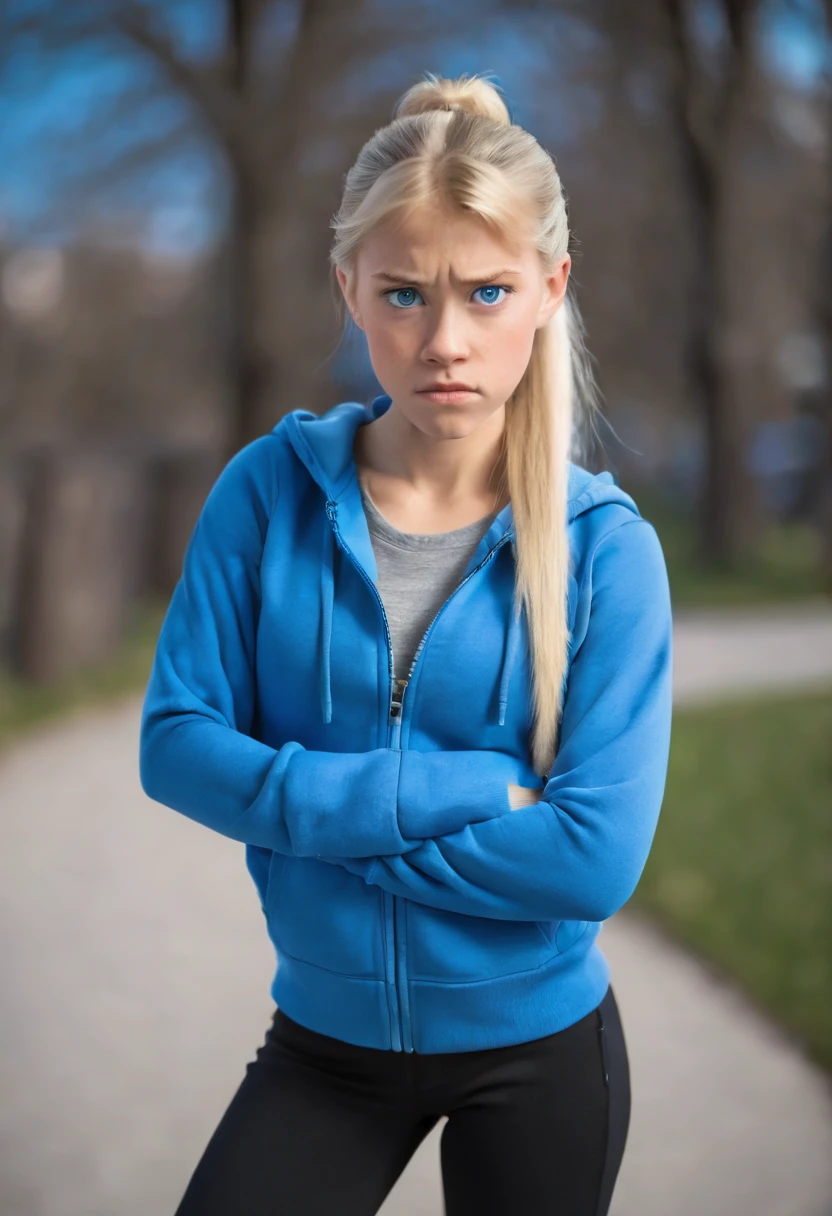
284 101
709 124
265 122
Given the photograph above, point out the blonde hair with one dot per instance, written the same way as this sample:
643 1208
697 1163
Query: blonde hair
452 141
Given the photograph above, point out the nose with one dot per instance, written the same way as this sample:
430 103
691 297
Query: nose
446 340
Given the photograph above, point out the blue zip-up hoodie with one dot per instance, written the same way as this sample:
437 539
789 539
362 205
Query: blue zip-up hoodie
410 907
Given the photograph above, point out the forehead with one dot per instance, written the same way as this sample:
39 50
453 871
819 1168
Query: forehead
430 242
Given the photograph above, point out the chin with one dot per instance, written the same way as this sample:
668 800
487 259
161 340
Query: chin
452 428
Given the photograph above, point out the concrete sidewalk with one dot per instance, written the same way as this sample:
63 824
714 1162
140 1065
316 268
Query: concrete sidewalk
720 651
137 969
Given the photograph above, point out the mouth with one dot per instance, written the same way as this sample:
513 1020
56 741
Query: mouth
444 389
454 387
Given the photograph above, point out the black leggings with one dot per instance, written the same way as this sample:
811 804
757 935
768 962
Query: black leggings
319 1126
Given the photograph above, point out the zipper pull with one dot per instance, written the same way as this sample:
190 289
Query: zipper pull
397 698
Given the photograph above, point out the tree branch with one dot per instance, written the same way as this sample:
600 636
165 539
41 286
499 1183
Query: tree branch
203 84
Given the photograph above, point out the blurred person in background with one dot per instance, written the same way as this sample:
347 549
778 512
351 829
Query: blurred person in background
419 663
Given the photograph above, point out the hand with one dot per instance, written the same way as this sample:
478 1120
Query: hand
522 795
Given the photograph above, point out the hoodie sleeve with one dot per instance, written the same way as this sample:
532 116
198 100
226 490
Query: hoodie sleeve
579 852
196 751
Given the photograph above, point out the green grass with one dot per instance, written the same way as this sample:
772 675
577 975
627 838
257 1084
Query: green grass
741 865
786 566
24 705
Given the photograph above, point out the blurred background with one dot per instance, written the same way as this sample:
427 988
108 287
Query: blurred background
167 177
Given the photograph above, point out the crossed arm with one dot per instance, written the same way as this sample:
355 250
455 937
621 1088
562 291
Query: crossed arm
577 849
443 828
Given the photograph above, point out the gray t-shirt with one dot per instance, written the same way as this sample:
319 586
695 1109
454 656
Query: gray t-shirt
416 574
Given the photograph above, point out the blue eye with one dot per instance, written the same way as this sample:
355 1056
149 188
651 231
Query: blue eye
411 291
398 291
493 287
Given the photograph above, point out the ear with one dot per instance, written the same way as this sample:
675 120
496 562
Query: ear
348 293
554 290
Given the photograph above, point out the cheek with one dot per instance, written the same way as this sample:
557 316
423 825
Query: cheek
389 343
512 346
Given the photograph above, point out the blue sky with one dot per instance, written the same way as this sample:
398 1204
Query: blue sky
58 129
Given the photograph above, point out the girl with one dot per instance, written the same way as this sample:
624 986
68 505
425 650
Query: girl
436 712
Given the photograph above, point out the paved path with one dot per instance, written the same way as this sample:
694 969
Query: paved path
136 970
719 650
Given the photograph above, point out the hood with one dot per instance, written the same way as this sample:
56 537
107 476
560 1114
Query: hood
324 444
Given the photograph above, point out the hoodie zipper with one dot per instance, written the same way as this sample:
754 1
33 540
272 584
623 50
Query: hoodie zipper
398 1004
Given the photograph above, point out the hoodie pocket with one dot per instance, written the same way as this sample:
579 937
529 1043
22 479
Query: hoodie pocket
567 933
562 934
322 914
448 947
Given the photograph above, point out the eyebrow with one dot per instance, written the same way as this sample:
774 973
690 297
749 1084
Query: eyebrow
404 278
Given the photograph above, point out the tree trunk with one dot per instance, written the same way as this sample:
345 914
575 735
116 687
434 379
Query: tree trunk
708 145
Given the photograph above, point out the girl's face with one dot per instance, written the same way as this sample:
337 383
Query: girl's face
441 298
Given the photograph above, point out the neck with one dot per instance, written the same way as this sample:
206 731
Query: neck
395 459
